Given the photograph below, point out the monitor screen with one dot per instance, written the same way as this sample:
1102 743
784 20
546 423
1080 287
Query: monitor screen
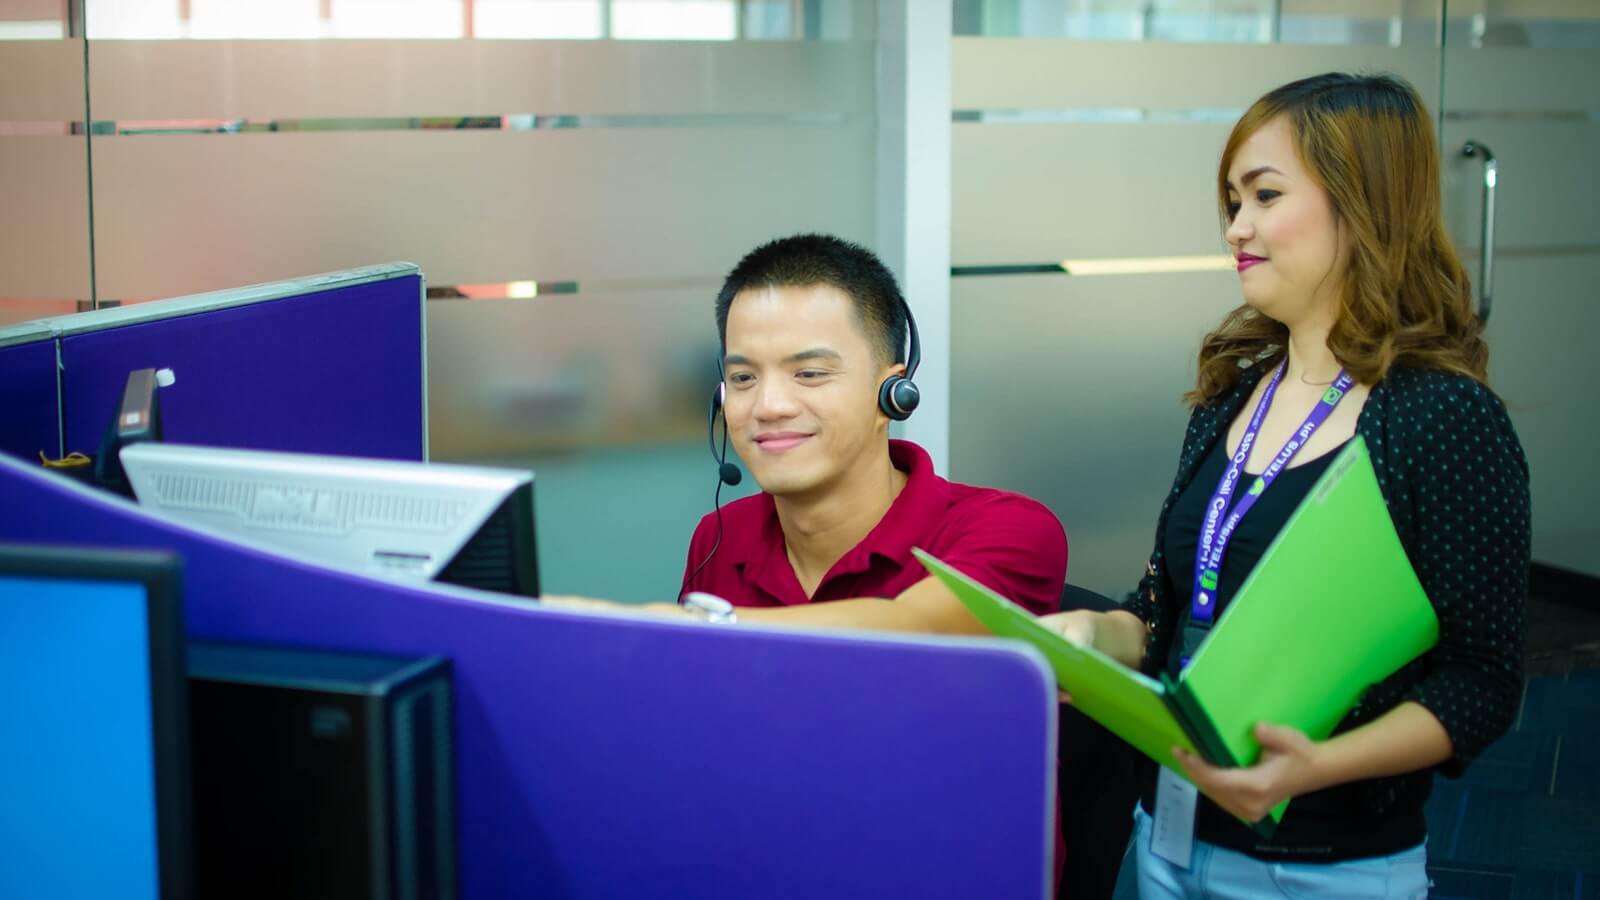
469 525
94 764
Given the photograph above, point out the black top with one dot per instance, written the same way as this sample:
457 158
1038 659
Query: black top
1456 484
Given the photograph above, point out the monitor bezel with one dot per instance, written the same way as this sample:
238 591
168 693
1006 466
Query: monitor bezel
161 575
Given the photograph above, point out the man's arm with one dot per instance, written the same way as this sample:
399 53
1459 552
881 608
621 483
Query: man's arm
927 606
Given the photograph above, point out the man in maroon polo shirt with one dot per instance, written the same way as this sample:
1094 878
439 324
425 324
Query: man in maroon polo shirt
812 328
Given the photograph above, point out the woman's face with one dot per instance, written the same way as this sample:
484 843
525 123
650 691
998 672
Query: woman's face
1283 232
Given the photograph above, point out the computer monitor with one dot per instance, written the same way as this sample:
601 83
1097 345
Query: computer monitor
466 525
94 765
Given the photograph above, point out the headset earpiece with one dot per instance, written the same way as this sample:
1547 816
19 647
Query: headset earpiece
898 395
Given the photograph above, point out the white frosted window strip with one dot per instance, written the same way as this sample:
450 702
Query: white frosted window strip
41 82
1003 73
1316 21
256 19
541 19
44 219
468 206
1044 193
397 19
133 19
36 30
136 80
680 20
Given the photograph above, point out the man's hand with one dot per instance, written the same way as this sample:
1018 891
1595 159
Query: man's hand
1288 768
1077 626
1118 634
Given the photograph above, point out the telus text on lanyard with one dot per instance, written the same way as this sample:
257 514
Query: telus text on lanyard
1216 531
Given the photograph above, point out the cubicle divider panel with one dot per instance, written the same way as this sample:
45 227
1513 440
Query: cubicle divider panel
29 406
610 756
335 370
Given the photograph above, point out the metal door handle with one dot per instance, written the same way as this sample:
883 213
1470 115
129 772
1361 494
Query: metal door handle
1474 149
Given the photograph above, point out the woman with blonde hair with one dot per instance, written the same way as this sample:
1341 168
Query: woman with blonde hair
1357 319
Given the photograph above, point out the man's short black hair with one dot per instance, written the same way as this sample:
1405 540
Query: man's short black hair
811 259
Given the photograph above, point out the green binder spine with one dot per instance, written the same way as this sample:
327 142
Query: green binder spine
1191 715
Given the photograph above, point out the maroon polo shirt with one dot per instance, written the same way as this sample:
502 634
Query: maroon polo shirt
1011 544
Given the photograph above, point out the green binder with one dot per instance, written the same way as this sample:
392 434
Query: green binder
1332 608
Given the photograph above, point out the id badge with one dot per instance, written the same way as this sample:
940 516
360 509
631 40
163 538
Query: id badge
1172 831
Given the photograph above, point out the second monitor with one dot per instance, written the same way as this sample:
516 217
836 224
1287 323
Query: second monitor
466 525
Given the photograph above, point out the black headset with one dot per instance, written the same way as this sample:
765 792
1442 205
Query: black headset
898 397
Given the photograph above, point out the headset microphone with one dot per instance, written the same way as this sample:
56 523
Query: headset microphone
727 472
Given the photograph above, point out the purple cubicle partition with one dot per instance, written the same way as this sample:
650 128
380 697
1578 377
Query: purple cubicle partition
326 364
29 408
601 756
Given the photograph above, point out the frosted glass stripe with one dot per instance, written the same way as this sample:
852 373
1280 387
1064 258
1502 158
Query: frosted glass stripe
1027 73
189 213
266 79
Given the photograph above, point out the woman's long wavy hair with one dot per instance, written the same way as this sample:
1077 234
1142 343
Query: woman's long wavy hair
1405 297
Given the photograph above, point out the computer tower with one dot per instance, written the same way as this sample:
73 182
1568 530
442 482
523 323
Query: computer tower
321 775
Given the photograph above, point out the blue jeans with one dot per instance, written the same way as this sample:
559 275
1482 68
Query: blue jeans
1218 872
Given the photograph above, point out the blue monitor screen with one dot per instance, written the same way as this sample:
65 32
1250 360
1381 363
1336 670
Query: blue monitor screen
77 767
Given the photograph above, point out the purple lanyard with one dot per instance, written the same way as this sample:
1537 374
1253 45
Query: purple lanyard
1213 543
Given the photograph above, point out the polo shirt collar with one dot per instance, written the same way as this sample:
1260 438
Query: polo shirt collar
910 519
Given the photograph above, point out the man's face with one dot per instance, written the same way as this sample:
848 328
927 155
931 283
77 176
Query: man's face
802 377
